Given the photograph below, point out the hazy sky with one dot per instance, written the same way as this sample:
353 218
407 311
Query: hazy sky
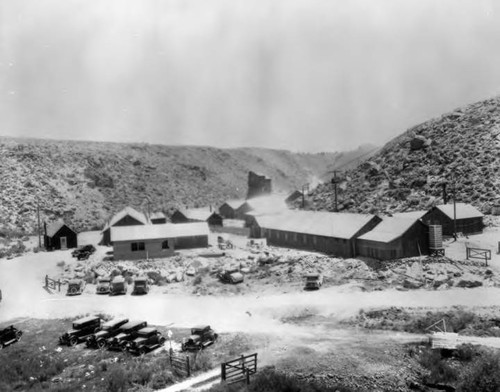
310 75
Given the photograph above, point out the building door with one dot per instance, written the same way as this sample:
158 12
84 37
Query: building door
64 243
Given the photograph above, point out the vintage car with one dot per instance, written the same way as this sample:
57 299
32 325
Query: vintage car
313 281
109 330
9 336
201 337
141 285
103 285
127 333
82 329
75 287
118 285
83 252
232 276
147 339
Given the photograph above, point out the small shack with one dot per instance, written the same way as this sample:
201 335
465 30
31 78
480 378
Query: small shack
126 217
399 236
328 232
197 215
228 209
469 220
156 241
58 235
294 196
158 218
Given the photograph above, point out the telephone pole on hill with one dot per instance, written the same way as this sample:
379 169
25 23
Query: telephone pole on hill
334 182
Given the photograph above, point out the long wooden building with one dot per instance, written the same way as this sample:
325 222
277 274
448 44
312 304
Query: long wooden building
126 217
327 232
402 235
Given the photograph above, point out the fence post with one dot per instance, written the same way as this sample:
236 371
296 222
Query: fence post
247 376
223 371
255 359
47 281
59 284
467 253
170 356
188 368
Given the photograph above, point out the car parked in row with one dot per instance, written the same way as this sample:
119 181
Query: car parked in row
109 329
9 335
118 285
141 285
127 333
82 329
201 337
75 287
232 276
103 285
147 339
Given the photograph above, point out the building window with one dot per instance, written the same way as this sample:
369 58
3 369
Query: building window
137 246
164 245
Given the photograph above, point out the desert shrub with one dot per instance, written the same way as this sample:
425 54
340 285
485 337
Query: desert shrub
483 375
162 379
117 380
203 362
89 277
466 352
197 280
440 370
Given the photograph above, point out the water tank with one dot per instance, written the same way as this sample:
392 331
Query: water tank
435 237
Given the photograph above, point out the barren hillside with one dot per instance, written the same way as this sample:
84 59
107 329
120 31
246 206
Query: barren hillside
461 148
85 182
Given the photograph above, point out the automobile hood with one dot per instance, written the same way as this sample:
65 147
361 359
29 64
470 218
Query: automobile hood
121 336
194 338
101 334
139 340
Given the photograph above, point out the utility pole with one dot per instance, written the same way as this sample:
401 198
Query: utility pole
445 196
334 182
38 215
454 210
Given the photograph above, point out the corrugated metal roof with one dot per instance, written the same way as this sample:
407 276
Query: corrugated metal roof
54 227
327 224
165 230
464 211
390 228
123 213
267 204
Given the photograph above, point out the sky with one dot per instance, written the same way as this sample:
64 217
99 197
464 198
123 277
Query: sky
302 75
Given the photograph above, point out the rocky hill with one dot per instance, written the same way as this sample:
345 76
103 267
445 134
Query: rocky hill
86 182
461 149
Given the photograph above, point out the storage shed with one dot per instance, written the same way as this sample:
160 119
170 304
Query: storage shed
58 235
394 238
197 215
126 217
469 220
156 241
228 209
328 232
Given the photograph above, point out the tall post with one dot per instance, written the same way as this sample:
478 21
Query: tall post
38 215
445 196
334 182
454 211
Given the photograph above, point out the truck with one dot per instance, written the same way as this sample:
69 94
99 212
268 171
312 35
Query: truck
118 285
82 329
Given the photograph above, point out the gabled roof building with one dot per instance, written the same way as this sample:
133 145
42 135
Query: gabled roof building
126 217
469 220
58 235
197 215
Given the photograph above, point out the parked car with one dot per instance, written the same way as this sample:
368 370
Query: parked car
127 333
109 330
9 335
118 285
232 276
201 337
83 252
313 281
82 329
103 285
147 339
141 285
75 287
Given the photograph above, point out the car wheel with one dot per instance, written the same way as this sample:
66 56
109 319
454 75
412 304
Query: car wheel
18 335
162 341
73 341
101 343
142 351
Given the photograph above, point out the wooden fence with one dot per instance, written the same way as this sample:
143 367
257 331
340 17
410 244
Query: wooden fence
52 283
478 253
239 369
181 363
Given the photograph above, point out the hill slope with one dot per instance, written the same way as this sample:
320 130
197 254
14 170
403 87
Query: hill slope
461 148
85 182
